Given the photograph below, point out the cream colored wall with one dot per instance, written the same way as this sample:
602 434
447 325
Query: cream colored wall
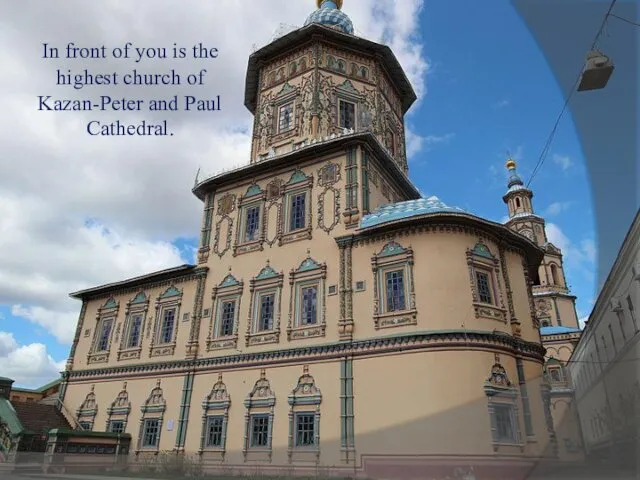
91 322
322 248
442 286
283 381
393 412
139 390
417 401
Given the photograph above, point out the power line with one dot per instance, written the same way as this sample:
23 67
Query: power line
630 22
547 146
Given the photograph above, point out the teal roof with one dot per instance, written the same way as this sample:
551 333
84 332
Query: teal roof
558 330
10 417
411 208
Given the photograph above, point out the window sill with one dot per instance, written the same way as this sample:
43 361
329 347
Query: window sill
307 331
222 343
98 357
402 318
490 311
164 349
248 247
296 236
263 338
129 353
514 446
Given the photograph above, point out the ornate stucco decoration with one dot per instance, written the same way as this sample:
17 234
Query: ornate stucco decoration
394 259
480 260
133 333
166 322
119 409
86 413
215 408
260 401
305 399
152 409
502 397
228 290
267 283
106 319
253 198
309 274
299 183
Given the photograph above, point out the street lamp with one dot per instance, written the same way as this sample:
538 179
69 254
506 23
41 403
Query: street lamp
597 71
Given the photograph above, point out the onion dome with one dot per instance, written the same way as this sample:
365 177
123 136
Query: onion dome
329 13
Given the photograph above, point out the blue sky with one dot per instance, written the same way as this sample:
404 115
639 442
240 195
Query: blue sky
489 91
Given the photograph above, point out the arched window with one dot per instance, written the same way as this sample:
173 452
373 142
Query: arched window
555 278
517 203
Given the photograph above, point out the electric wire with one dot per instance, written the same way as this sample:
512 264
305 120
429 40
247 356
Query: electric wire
630 22
547 146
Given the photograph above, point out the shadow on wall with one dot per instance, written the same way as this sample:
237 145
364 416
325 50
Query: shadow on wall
502 449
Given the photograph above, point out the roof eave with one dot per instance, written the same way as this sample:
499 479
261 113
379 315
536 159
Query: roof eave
252 170
296 37
153 277
534 253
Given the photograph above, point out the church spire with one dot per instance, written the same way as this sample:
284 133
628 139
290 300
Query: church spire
518 196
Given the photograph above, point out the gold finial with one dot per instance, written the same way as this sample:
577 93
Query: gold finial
511 164
337 2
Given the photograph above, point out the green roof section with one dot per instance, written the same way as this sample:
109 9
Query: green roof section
42 389
5 379
10 417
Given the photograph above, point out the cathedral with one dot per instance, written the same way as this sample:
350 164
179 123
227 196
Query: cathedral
336 321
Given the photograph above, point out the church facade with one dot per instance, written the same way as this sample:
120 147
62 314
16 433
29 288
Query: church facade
335 320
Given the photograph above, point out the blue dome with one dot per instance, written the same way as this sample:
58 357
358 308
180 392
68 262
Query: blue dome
329 14
410 208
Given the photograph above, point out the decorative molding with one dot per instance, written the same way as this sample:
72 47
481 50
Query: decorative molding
191 275
515 323
216 404
170 299
270 281
194 332
217 249
480 258
229 289
309 273
254 197
262 399
501 392
153 409
393 256
107 312
119 409
419 341
306 399
137 306
88 410
335 220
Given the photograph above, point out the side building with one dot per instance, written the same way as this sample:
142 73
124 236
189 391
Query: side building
335 320
604 365
555 312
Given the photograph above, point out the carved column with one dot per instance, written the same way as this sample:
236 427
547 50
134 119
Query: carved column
345 324
196 317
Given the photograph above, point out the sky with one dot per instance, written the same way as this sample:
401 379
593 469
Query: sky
79 211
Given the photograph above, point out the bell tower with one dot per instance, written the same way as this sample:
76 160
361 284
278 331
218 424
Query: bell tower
555 306
322 82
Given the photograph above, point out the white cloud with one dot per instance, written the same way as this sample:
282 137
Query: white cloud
556 208
30 366
579 259
78 211
500 104
563 161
